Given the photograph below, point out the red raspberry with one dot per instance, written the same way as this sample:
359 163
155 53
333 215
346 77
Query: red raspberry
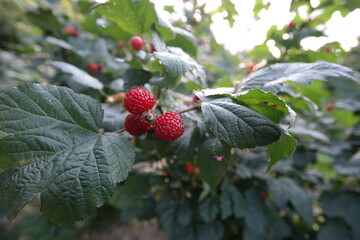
93 67
139 100
136 43
188 168
70 30
169 126
136 125
330 107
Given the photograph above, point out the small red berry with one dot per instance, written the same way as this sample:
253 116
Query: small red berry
188 168
121 45
70 30
136 43
139 100
330 107
93 67
202 41
169 126
136 125
263 195
250 68
328 49
291 25
100 67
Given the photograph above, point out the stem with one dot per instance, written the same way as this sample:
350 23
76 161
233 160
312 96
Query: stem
102 92
190 109
120 130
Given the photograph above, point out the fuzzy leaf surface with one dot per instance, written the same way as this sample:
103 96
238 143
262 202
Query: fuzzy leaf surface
238 125
54 150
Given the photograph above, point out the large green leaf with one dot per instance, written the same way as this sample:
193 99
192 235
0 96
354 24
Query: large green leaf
285 190
334 229
175 64
135 77
238 125
212 159
134 17
209 209
281 149
78 75
273 77
345 204
55 150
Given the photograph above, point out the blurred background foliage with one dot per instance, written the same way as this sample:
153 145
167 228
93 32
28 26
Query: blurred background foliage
313 195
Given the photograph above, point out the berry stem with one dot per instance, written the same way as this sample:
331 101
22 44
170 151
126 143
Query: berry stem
120 130
190 109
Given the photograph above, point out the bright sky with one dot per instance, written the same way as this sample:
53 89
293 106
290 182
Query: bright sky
248 32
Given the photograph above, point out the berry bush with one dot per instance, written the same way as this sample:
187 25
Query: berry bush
111 111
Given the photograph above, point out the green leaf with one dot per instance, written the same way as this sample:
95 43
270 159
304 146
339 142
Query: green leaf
231 202
135 77
285 190
271 78
238 125
344 204
281 149
44 19
55 151
78 75
185 40
209 209
334 229
174 64
212 169
134 17
266 103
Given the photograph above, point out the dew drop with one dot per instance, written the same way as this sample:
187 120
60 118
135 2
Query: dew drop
49 100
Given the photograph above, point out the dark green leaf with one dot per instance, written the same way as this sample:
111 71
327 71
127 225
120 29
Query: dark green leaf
285 190
238 125
134 17
185 40
78 75
273 77
334 229
212 159
174 64
135 77
231 202
44 19
281 149
55 151
344 204
209 209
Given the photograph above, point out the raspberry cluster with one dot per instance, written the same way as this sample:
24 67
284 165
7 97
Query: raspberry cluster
140 102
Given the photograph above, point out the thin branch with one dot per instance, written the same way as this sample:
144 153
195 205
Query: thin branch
120 130
190 109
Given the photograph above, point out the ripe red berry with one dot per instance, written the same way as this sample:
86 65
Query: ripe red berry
70 30
188 168
139 100
136 43
169 126
100 67
136 125
291 25
330 107
93 67
263 195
